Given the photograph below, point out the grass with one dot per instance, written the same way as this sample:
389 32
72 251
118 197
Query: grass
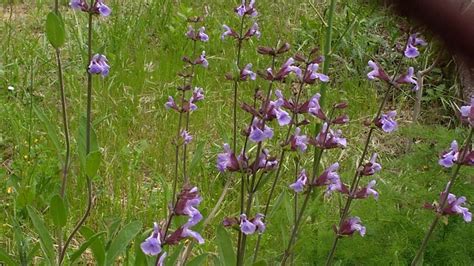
144 43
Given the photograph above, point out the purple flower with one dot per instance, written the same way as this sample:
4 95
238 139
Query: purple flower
246 226
253 31
312 74
246 72
387 122
187 138
98 65
298 141
367 191
257 134
300 183
200 35
314 108
467 112
448 158
329 139
186 233
152 245
287 68
377 72
264 161
198 95
409 78
372 166
453 206
228 32
331 179
243 10
102 9
161 261
202 60
257 221
351 225
79 4
227 160
411 50
171 104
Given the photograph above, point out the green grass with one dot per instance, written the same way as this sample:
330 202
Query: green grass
144 43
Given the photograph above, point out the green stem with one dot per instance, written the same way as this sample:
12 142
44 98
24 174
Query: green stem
444 200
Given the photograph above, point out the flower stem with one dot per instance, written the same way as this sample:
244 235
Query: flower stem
88 143
444 199
280 165
356 178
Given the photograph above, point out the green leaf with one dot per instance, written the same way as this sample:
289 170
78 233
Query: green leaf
226 251
171 260
52 133
120 243
58 211
140 258
198 261
91 240
6 259
81 142
45 238
92 163
55 31
97 247
197 156
260 263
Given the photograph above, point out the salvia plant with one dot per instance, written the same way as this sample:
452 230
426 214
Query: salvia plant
286 134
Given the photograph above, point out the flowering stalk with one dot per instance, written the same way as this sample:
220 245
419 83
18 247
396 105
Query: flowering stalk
465 154
358 173
98 65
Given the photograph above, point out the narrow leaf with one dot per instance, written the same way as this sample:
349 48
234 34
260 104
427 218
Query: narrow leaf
120 243
97 247
84 246
198 261
45 238
6 259
226 251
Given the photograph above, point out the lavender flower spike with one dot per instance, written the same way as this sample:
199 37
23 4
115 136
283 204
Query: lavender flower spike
202 60
202 35
448 158
467 112
228 32
227 160
152 245
253 31
367 191
300 183
257 134
190 233
246 226
298 141
78 4
99 65
387 122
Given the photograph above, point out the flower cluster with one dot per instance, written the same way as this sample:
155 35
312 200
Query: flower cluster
186 205
199 35
452 206
99 65
467 112
245 225
187 105
411 50
450 157
350 226
99 7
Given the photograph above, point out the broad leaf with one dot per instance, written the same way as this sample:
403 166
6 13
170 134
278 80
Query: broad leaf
58 211
55 31
92 163
198 261
91 240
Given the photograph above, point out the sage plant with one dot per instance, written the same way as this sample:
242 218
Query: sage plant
98 64
449 204
187 201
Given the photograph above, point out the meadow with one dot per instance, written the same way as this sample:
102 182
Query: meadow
135 135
